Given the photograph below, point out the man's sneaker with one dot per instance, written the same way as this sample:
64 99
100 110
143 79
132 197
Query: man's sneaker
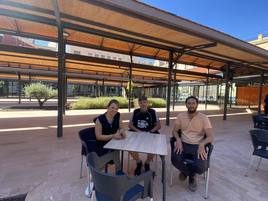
182 177
147 167
192 184
138 168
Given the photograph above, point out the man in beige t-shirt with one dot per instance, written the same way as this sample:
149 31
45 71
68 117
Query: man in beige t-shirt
190 129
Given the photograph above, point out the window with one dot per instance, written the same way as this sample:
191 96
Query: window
97 55
76 52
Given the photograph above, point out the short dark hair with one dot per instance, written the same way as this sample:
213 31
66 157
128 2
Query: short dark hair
193 97
113 101
143 98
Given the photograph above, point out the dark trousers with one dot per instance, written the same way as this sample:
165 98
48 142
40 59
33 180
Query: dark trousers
187 162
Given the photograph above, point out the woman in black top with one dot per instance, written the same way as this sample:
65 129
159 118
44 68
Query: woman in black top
109 126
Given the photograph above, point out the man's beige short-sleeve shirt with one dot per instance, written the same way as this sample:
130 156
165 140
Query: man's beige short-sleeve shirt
193 130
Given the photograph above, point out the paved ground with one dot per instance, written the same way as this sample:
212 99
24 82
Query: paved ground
34 161
52 113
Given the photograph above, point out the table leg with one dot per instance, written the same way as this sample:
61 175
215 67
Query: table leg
163 177
122 160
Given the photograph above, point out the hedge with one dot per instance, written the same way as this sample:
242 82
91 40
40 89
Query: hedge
153 103
97 103
102 102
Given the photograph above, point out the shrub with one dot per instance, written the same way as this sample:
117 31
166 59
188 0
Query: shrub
97 103
153 102
40 91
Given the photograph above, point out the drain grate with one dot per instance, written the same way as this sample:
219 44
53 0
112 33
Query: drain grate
14 198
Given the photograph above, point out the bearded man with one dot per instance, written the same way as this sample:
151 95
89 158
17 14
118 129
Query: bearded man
192 131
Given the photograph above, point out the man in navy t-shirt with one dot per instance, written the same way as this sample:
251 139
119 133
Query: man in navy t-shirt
143 119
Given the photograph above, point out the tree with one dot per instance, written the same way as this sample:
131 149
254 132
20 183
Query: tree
2 84
41 92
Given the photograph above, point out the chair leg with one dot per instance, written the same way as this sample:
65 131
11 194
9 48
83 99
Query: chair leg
250 162
81 166
259 164
89 189
207 181
92 196
156 166
171 174
205 175
128 162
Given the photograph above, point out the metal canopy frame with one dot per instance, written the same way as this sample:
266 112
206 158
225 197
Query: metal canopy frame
39 19
172 48
68 56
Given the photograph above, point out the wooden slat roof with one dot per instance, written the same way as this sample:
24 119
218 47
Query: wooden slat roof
54 79
128 26
27 61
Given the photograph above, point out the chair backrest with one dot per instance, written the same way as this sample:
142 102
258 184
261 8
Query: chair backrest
259 139
257 121
107 186
99 162
88 140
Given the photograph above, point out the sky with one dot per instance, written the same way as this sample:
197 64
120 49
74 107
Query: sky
243 19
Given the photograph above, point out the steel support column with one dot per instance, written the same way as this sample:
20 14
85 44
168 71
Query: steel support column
226 95
103 87
64 84
174 91
217 97
61 69
220 101
260 93
130 84
93 87
206 101
231 94
98 89
19 86
30 82
170 67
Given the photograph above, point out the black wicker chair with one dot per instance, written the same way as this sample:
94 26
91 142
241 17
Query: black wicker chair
259 138
209 148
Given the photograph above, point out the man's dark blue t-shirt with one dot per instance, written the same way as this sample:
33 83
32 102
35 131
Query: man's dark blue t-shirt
144 121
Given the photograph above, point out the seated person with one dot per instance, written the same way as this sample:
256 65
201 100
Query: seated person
108 126
191 144
266 105
143 119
